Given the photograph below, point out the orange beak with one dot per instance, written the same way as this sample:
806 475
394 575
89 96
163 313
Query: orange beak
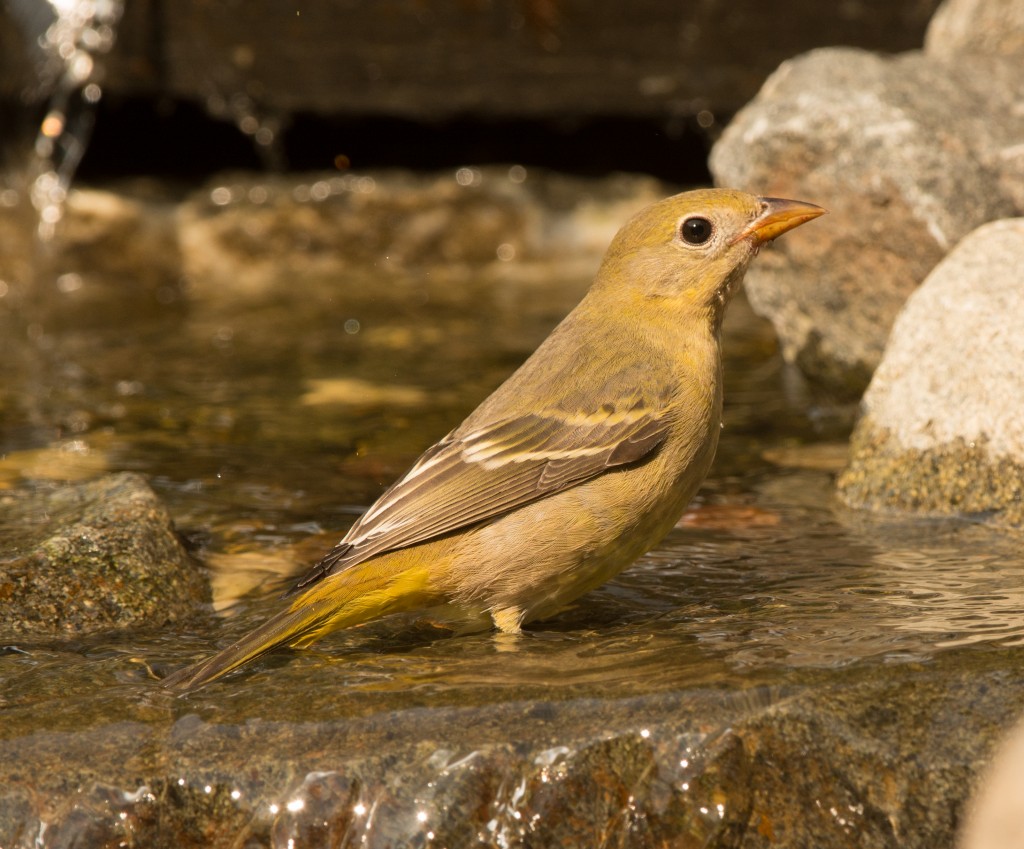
778 216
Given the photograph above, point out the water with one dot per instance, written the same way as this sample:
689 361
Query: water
767 578
63 42
267 420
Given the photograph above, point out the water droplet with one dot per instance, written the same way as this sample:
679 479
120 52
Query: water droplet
53 125
320 190
51 213
80 67
517 174
129 387
221 195
69 282
468 177
215 104
243 56
91 39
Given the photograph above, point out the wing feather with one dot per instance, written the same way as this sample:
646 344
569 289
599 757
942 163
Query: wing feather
472 477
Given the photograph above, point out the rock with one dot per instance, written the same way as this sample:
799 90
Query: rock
908 153
92 557
244 233
981 27
942 429
122 240
995 817
118 233
862 761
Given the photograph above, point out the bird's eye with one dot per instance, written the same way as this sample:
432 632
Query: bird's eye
695 231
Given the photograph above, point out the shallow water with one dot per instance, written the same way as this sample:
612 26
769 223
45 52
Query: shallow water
268 422
268 416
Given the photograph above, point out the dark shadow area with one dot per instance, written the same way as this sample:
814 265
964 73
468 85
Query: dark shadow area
179 140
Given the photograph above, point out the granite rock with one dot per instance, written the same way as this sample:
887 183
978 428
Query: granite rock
92 557
908 153
982 27
942 429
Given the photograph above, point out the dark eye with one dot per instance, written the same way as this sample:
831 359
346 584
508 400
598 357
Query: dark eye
695 231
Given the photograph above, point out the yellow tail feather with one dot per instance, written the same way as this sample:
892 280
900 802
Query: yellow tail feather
388 584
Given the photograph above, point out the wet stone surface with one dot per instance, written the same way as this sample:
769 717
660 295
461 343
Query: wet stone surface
862 761
92 557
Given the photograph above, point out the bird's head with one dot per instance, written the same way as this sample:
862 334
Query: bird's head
693 248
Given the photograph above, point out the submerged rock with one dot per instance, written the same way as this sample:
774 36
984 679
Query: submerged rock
943 420
92 557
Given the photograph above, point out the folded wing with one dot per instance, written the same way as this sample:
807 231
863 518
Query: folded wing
472 477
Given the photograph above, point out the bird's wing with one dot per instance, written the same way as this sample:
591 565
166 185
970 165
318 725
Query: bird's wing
470 477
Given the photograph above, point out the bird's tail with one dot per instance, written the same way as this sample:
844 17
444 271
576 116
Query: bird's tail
363 592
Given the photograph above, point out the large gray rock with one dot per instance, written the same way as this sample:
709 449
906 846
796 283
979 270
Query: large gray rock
908 153
92 557
943 420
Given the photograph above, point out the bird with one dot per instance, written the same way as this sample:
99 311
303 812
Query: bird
574 467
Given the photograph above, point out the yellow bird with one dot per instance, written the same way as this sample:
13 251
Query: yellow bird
575 466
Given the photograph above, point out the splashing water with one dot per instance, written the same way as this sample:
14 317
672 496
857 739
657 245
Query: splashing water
238 103
67 37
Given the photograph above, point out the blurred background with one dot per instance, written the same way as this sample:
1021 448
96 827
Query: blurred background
183 89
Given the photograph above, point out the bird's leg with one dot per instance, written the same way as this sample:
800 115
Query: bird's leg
508 620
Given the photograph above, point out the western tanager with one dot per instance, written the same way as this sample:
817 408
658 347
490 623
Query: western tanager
575 466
